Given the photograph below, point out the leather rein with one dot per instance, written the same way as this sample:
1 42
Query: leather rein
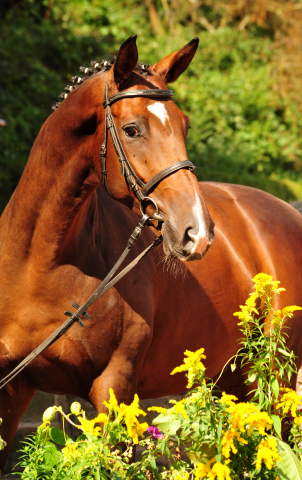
140 190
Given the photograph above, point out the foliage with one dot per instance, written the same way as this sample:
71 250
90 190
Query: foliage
263 343
223 439
245 127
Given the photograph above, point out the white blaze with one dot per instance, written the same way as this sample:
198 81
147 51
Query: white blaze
198 212
159 110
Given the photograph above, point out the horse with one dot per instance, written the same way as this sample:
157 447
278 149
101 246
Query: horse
70 218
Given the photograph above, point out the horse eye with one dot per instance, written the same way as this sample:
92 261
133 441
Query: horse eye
131 131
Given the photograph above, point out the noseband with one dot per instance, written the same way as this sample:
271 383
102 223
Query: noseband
139 188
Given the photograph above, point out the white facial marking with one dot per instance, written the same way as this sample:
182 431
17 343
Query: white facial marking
159 110
198 211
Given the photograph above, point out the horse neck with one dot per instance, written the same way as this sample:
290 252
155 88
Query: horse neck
54 202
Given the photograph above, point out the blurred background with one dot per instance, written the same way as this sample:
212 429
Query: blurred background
241 92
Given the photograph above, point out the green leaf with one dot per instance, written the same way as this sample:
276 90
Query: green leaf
252 378
289 467
202 456
284 352
276 423
152 462
167 424
52 456
58 436
219 429
162 446
275 386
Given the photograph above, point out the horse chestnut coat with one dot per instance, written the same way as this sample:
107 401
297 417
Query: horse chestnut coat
62 232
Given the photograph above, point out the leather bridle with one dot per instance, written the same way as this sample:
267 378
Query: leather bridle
139 188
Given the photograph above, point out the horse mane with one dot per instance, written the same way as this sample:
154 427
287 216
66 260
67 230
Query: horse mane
102 66
297 204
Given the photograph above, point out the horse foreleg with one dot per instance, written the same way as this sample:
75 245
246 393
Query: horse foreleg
119 376
13 404
121 373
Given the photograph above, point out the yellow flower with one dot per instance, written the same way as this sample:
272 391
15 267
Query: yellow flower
112 404
264 282
268 453
203 469
263 285
129 414
244 418
88 426
220 471
179 408
289 401
71 452
178 476
192 364
281 315
228 399
102 418
288 311
158 410
247 310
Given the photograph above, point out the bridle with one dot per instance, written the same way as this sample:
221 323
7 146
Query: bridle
139 188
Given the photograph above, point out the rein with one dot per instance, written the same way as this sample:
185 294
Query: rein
140 190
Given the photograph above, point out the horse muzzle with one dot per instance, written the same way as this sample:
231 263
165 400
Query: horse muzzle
190 245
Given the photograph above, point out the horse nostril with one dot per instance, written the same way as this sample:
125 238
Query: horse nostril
189 240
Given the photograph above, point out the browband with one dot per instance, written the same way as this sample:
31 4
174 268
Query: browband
154 92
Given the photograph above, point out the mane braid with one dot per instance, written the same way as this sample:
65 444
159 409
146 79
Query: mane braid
102 66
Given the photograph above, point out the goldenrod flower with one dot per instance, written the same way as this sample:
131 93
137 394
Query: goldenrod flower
289 401
178 476
220 471
102 418
88 426
203 469
129 414
268 453
265 284
113 403
192 364
245 418
71 452
178 408
228 399
158 410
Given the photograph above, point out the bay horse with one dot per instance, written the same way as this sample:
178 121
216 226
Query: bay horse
61 233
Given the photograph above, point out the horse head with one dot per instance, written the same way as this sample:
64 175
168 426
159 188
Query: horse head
144 162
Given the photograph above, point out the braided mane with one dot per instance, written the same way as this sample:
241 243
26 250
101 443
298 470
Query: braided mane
102 66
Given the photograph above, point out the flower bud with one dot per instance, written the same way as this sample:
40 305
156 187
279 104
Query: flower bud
0 421
49 414
3 444
76 408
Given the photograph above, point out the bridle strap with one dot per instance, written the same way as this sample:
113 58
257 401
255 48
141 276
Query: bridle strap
165 173
131 178
137 93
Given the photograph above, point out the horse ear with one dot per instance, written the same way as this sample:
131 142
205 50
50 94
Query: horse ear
126 60
170 67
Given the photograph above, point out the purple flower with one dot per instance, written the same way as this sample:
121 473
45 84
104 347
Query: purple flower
154 432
